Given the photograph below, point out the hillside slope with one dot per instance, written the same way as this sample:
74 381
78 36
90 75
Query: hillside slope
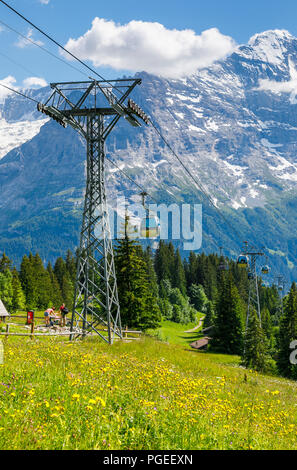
147 395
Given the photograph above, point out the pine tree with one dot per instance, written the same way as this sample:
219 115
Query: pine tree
178 275
56 294
201 270
266 323
164 261
228 328
287 333
151 273
198 297
18 296
27 278
67 291
60 270
209 318
164 289
6 290
5 263
255 355
190 267
42 283
210 284
70 262
139 308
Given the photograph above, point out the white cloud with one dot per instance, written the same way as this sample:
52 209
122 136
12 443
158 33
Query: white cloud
23 42
8 81
32 82
44 2
282 87
139 45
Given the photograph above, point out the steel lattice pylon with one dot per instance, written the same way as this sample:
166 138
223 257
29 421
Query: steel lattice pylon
280 284
94 108
253 298
96 287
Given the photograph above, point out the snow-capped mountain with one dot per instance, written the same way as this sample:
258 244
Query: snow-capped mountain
15 134
234 124
18 124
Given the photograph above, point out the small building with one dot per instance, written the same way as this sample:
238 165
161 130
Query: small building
3 312
201 343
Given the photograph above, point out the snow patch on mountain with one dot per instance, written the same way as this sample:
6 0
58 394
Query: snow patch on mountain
288 86
15 134
270 46
291 176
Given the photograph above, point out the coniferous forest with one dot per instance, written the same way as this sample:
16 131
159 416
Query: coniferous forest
156 286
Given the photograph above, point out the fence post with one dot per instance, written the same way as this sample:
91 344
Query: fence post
1 352
32 330
7 331
126 334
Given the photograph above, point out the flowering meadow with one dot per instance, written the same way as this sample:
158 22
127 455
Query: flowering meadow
142 395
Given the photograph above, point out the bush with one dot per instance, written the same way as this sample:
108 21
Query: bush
166 309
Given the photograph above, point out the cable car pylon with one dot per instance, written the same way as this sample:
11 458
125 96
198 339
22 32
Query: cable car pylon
280 284
248 259
223 265
149 226
93 108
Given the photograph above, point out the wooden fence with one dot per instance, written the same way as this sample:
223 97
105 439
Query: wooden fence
33 333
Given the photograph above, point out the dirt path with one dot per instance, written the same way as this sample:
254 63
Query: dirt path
196 327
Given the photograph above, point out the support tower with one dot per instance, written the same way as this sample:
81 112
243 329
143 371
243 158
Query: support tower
280 284
93 108
253 299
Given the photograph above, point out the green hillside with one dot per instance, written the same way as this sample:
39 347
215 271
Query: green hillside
140 395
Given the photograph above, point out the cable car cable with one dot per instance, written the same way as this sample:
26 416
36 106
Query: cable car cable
43 49
108 158
17 63
57 43
19 93
154 126
193 178
131 179
49 37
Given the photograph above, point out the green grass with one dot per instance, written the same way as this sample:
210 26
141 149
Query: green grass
140 395
175 333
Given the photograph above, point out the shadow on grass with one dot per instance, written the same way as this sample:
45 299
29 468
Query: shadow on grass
199 351
190 338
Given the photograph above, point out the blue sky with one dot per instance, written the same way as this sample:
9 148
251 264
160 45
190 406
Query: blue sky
66 19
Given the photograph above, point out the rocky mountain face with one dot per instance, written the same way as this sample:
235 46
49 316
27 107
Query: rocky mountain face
233 124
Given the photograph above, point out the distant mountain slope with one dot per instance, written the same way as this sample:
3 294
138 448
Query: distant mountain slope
234 124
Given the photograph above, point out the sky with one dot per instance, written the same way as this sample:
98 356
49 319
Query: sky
166 37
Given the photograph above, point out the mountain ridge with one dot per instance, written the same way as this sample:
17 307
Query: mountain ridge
237 138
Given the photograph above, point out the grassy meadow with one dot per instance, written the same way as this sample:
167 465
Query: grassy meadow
140 395
175 333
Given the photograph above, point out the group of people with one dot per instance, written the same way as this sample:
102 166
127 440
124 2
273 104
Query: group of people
50 315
